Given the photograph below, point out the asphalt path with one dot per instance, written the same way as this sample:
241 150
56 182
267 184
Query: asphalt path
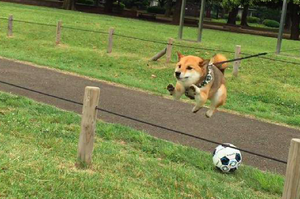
250 134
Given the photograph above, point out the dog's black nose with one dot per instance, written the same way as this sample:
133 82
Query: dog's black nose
177 74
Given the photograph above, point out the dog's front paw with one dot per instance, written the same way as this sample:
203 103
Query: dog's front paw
190 92
171 89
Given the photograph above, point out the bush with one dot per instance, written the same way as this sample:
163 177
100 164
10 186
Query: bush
271 23
86 2
118 7
253 20
156 10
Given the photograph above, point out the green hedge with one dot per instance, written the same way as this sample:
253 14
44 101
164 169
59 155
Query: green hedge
253 20
156 10
271 23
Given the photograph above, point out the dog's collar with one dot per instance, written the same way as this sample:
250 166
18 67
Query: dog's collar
207 79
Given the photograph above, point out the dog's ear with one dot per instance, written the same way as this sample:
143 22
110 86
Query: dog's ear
179 55
203 63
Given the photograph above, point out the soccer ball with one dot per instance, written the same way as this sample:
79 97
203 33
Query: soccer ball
227 159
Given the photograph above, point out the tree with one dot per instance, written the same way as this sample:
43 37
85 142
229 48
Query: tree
69 5
177 11
293 10
108 7
295 19
233 7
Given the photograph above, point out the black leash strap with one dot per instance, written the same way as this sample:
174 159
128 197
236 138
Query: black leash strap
239 59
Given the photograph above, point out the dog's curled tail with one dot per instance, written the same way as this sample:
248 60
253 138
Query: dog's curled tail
220 58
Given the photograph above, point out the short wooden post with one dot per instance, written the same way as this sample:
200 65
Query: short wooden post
237 64
292 178
10 26
88 124
159 55
58 32
110 40
169 50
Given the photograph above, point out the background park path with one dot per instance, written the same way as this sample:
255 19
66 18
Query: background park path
256 136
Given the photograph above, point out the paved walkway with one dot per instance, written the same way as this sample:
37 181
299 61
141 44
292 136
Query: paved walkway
250 134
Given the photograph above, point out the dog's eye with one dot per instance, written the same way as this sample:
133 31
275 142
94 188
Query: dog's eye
179 66
189 68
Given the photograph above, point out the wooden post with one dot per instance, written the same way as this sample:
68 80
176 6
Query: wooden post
292 178
58 32
169 50
10 26
237 64
110 40
88 125
159 55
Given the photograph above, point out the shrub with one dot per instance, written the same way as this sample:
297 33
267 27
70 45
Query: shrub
253 20
156 10
271 23
86 2
118 7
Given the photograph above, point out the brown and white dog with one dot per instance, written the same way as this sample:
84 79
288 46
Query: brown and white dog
199 79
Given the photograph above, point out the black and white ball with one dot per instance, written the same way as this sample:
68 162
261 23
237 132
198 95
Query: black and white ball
227 159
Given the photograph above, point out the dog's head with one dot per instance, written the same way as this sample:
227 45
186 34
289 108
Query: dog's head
190 69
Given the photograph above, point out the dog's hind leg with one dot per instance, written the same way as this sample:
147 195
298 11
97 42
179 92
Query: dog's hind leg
217 100
200 98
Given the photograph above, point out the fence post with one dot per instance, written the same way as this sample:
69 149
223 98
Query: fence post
10 26
58 32
292 178
110 40
169 50
88 125
237 64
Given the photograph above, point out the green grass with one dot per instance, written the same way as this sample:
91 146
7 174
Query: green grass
265 89
38 155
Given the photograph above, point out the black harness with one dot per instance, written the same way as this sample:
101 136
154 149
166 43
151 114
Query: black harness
207 79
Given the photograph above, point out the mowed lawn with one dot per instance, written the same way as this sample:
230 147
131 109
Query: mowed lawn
265 89
38 153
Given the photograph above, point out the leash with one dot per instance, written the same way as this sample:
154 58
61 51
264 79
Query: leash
239 59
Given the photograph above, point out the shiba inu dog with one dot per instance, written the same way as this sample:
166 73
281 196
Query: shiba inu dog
200 80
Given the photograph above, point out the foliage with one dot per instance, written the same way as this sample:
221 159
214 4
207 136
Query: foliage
136 4
253 19
156 10
119 6
86 2
263 13
271 23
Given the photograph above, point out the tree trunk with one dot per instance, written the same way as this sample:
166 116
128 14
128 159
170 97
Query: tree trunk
176 14
295 17
245 15
108 7
217 14
232 16
69 5
168 8
287 24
